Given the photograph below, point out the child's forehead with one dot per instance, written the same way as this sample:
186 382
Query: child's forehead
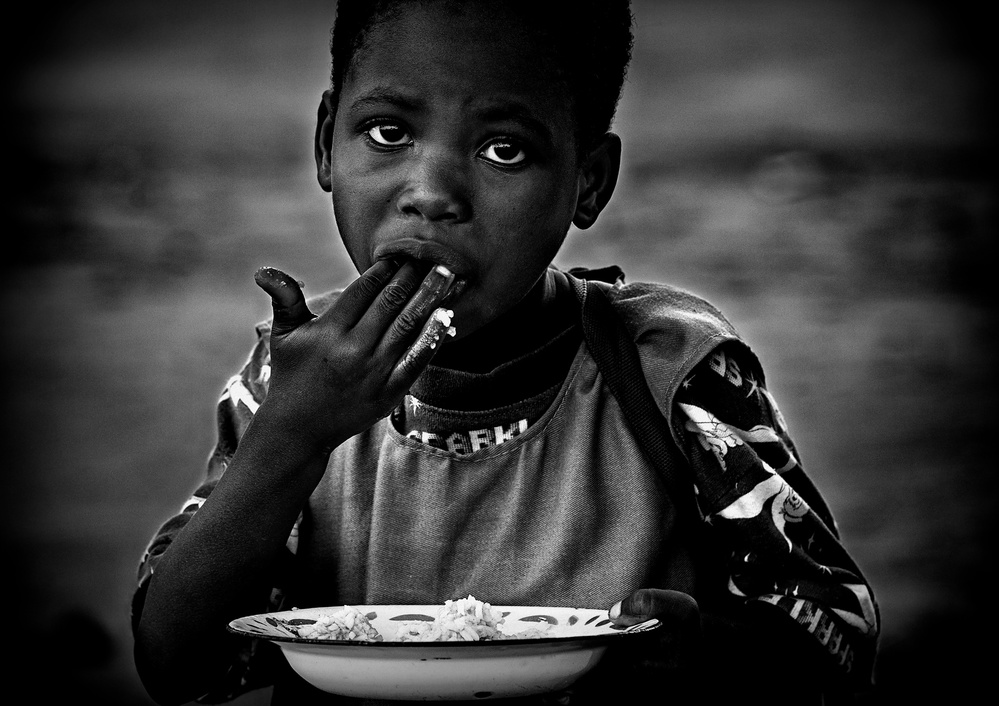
476 54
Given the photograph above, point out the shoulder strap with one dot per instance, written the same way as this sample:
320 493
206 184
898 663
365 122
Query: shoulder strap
617 359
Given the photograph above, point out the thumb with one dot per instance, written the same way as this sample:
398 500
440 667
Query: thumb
671 607
287 300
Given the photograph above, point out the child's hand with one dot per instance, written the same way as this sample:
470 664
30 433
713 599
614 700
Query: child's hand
335 375
676 610
672 647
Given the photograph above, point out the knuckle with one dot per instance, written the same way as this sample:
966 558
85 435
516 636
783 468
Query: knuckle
394 295
348 350
642 603
406 322
367 287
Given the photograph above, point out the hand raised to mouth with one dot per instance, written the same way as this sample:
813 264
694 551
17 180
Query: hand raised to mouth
336 374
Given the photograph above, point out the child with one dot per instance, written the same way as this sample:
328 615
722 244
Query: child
440 427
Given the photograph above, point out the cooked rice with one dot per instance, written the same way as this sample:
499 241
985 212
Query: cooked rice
465 619
462 620
346 624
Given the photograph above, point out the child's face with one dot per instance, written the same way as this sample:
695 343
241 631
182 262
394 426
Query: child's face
453 143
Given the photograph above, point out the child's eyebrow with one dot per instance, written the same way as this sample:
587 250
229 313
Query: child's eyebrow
381 96
515 112
487 111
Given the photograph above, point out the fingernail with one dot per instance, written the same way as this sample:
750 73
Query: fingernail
615 611
440 278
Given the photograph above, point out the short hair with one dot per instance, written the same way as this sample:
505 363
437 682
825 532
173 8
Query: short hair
590 41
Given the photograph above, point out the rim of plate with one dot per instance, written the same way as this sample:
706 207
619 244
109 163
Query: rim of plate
640 629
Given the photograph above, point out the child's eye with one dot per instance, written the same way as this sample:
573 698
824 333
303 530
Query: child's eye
388 135
504 152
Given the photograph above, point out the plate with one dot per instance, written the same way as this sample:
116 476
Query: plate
575 640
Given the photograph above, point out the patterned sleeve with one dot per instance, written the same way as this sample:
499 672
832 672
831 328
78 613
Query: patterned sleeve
253 665
784 546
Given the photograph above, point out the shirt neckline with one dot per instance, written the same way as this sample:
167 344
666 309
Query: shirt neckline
536 429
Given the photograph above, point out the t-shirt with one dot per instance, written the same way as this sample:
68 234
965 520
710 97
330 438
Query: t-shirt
781 540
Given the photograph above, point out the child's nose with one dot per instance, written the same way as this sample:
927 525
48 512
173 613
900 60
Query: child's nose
436 188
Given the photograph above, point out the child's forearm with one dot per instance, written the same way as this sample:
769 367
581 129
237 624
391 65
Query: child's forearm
220 566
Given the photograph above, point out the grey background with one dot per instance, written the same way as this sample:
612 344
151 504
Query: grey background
820 169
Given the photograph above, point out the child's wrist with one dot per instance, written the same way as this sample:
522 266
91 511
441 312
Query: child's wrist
296 435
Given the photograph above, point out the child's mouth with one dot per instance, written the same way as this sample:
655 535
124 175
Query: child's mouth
425 254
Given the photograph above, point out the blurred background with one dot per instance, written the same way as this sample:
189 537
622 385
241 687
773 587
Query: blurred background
820 169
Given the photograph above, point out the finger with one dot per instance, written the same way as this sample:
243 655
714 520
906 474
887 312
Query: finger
428 297
671 607
390 301
426 346
357 297
287 300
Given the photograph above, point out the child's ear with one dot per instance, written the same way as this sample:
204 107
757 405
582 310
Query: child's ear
597 179
324 140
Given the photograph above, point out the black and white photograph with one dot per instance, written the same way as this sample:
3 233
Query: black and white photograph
575 352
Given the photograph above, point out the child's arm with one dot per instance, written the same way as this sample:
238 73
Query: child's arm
796 601
332 377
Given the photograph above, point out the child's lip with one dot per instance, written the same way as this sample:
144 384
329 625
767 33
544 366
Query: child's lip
427 251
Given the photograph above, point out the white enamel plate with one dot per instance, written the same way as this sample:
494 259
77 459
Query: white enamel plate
574 641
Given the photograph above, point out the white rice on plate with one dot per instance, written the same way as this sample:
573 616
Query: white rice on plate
463 620
460 620
346 624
